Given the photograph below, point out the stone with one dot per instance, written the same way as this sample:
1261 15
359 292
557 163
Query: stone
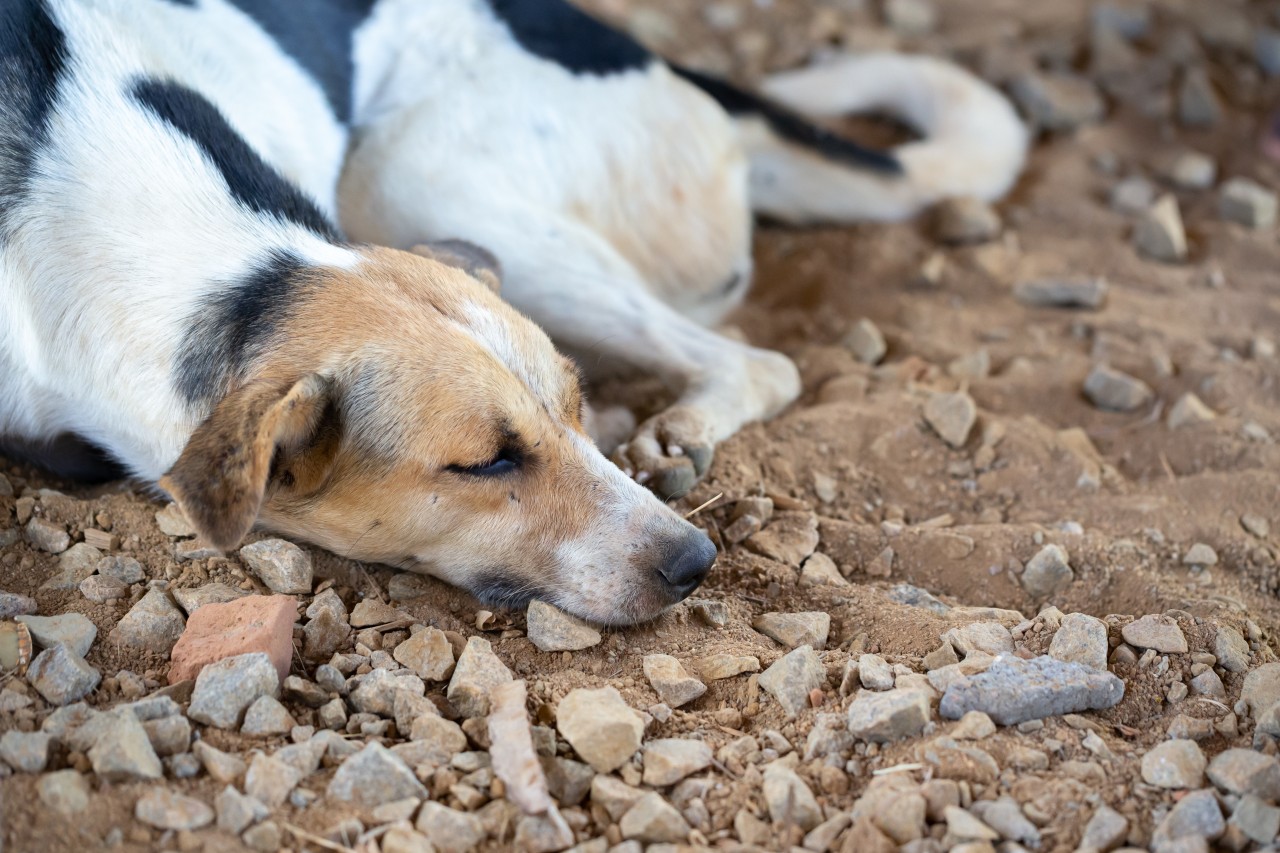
1106 830
1160 633
911 17
1174 764
1059 102
12 604
974 725
1047 572
173 522
372 612
821 570
1159 233
600 726
874 673
889 716
401 840
951 416
122 751
168 810
1063 292
794 629
125 569
1256 525
1261 689
282 566
516 763
1256 819
376 692
713 614
1246 771
263 838
168 735
614 796
669 760
478 671
26 752
1198 104
1081 639
449 830
965 220
428 653
990 638
154 624
790 538
44 535
323 635
652 820
71 629
1247 203
1193 171
103 588
1014 690
1208 683
236 812
866 342
1133 195
224 690
191 599
716 667
374 776
269 780
266 716
568 781
671 682
1231 650
61 676
64 792
1189 409
1196 815
253 624
221 766
553 630
789 799
792 677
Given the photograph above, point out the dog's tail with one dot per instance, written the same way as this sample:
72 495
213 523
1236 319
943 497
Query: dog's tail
973 142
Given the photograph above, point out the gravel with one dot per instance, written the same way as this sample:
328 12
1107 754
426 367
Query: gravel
374 776
1015 690
889 716
1047 572
1160 633
1159 233
1174 764
669 760
1189 409
449 830
154 624
46 536
1084 292
478 671
26 752
1246 771
224 690
1198 104
70 629
600 726
794 629
122 752
428 653
652 820
951 416
669 679
1247 203
1115 391
281 565
65 792
61 676
866 342
1058 102
553 630
167 810
792 678
1081 639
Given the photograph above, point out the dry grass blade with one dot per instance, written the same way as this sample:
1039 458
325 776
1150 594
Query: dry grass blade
691 513
301 834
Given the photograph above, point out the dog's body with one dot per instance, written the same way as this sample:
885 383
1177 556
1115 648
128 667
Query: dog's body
175 289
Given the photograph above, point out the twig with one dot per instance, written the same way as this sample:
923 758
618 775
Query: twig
897 768
700 508
299 832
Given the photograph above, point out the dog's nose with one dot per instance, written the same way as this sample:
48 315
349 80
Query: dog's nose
690 565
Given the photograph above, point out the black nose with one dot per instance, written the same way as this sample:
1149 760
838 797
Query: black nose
689 566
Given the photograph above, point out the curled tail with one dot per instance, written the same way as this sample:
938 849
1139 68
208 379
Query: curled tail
973 142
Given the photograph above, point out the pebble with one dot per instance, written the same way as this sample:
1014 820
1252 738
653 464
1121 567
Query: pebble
478 671
224 690
553 630
191 599
652 820
716 667
266 716
61 676
1246 771
713 614
1047 572
428 653
449 830
1193 171
270 780
371 612
964 826
1081 639
26 752
64 792
73 630
516 763
790 538
173 522
236 812
990 638
125 569
874 672
794 629
600 726
866 342
1248 203
221 766
74 565
12 604
154 624
821 570
966 220
1133 195
47 536
792 677
1174 764
256 623
1159 233
1155 632
1059 102
951 416
323 635
1189 409
669 760
1084 292
1256 525
1198 104
789 799
1014 690
263 838
888 716
1114 391
281 565
974 725
167 810
1106 830
1261 688
674 685
1230 648
374 776
1196 815
377 691
103 588
169 735
1256 819
122 752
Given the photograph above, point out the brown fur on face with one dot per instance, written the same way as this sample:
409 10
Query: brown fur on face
406 415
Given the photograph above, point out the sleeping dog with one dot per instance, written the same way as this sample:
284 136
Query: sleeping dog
239 258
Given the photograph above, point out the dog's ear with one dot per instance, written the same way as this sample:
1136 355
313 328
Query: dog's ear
477 262
221 477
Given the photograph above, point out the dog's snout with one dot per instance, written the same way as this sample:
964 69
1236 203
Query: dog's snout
689 565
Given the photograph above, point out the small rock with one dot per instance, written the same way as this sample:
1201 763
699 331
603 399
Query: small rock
122 752
1155 632
169 735
224 690
890 716
789 799
61 676
716 667
1247 203
874 672
47 536
154 624
1189 409
1261 688
26 752
790 538
820 570
1193 171
654 821
1131 22
192 599
966 220
911 17
266 716
1246 771
1114 391
1159 234
269 780
263 838
12 604
256 623
1198 104
1081 639
1047 572
236 812
1195 816
990 638
167 810
374 776
866 342
477 672
1062 292
221 767
1106 830
1013 690
951 416
974 725
600 726
1133 195
428 653
1060 102
516 763
962 825
1174 764
65 792
377 691
669 760
794 629
449 830
372 612
553 630
73 630
792 678
323 635
1256 525
1257 820
103 588
1231 650
282 566
124 569
713 614
671 682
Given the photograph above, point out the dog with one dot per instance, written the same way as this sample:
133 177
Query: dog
240 257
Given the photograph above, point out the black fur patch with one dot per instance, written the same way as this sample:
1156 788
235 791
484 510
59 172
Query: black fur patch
66 456
791 126
230 327
33 53
562 33
496 590
250 179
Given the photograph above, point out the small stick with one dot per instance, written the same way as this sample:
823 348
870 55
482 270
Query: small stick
897 768
699 509
299 832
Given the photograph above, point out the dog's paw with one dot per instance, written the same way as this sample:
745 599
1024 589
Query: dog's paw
670 452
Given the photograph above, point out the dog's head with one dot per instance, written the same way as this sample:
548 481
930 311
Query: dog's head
404 414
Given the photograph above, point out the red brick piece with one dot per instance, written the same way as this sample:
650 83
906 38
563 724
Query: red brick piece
256 623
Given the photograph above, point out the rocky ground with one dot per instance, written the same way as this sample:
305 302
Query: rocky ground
1004 579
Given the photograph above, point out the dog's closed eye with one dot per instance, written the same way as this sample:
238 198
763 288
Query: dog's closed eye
508 460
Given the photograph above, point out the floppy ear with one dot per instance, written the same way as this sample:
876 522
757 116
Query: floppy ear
477 262
221 477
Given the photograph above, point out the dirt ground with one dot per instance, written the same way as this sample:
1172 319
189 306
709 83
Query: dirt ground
1124 493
